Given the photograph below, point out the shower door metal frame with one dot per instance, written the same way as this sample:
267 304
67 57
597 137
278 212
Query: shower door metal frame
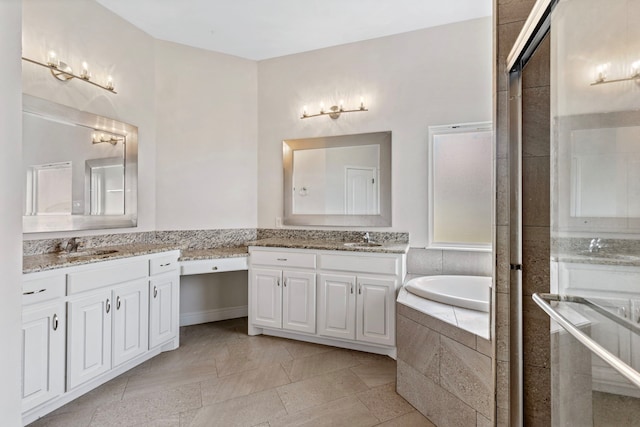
533 32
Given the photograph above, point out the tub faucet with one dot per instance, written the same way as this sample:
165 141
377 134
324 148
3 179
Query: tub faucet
595 245
366 237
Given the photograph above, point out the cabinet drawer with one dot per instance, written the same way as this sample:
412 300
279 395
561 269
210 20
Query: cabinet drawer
42 289
284 259
99 277
362 264
163 264
203 266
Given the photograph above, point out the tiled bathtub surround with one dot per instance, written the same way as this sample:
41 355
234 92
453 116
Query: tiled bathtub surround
443 371
432 262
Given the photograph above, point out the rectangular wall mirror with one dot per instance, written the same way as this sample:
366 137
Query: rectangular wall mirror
339 180
598 163
80 169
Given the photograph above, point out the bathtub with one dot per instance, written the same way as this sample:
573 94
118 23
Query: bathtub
472 292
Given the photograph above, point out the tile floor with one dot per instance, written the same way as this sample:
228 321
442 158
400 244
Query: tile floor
221 377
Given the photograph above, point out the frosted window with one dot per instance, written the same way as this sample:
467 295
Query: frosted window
461 196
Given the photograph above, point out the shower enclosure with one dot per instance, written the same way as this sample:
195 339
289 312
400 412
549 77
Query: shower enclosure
594 298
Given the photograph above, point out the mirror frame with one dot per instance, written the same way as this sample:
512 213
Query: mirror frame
381 220
71 116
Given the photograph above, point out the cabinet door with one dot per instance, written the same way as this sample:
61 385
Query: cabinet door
375 310
266 295
337 306
89 337
299 301
130 321
43 354
164 303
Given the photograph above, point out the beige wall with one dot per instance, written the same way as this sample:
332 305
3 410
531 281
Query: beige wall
410 81
206 104
11 224
85 31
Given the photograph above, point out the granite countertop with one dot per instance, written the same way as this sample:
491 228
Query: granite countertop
600 258
214 253
51 261
332 245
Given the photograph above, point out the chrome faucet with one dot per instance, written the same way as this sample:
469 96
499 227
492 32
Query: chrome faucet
595 245
366 237
71 246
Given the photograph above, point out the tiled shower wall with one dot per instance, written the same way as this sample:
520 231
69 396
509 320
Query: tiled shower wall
509 20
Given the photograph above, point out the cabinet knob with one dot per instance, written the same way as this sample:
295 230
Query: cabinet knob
118 303
34 292
214 268
108 305
155 291
165 264
55 322
285 283
359 289
352 288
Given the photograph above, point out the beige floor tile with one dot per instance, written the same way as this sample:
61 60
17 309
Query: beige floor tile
299 349
348 411
172 420
187 416
242 384
320 389
412 419
80 418
306 367
108 392
376 372
251 354
384 402
157 380
242 411
148 407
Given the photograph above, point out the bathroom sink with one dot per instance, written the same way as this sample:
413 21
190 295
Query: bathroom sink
88 253
362 245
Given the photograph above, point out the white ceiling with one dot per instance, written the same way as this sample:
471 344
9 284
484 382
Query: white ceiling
261 29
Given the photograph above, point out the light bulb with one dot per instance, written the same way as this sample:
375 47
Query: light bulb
341 105
601 72
85 74
110 83
361 103
635 69
52 59
322 107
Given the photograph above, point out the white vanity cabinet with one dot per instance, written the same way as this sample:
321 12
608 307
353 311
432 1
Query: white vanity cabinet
43 339
616 289
108 318
164 299
283 298
359 306
338 298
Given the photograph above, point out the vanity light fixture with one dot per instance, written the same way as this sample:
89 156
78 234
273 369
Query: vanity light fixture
334 112
602 70
62 71
106 137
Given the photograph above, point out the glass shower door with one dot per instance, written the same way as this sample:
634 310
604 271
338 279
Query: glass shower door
595 213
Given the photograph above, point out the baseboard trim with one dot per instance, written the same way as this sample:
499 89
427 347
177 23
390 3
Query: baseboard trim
214 315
